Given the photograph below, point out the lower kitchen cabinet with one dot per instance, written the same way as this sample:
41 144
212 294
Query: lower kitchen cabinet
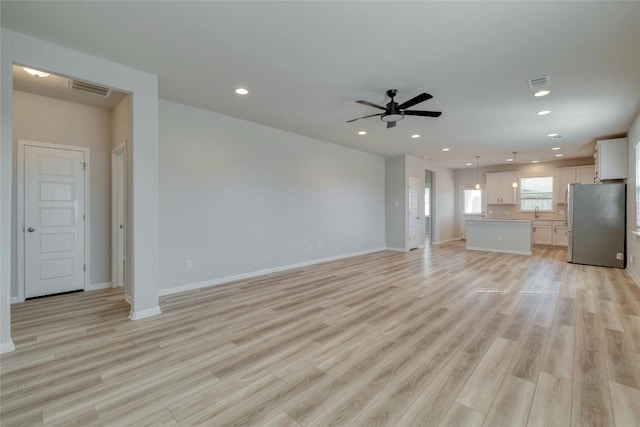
560 237
542 233
550 233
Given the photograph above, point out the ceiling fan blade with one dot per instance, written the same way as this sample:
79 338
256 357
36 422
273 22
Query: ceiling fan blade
370 104
390 124
413 101
422 113
371 115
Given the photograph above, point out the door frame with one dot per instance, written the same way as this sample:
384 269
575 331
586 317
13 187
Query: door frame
21 208
420 231
118 201
461 213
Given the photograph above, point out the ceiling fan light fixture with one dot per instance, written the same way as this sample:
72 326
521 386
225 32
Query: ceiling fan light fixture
36 73
392 117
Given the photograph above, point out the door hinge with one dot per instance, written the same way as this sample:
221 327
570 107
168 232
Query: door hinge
84 267
84 165
84 216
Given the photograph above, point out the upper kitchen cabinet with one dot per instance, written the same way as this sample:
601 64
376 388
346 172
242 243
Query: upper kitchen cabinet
573 175
611 159
500 190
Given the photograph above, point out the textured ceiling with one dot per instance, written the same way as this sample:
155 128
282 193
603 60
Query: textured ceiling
305 63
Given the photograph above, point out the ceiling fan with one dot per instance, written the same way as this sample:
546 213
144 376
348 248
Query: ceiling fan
394 111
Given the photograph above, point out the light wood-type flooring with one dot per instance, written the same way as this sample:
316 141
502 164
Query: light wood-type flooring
441 336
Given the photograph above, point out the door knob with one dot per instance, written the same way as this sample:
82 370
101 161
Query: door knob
31 229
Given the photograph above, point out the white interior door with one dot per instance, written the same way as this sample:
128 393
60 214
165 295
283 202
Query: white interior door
413 240
53 220
471 206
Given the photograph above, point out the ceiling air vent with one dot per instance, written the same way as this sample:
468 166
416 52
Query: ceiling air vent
85 87
537 82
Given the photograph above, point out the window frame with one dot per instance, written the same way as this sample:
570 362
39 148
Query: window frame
520 198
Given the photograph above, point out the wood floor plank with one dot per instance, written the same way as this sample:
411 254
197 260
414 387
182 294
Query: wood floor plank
482 386
626 404
512 403
435 336
551 403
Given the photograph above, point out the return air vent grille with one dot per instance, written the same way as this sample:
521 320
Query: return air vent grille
85 87
537 82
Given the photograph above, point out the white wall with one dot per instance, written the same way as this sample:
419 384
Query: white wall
395 202
237 197
445 195
633 241
398 171
20 49
41 119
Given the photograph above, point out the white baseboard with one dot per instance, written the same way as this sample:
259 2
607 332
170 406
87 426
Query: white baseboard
96 286
14 300
244 276
504 251
441 242
391 248
6 347
137 315
633 276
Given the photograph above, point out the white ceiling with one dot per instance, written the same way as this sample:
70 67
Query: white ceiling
305 63
55 86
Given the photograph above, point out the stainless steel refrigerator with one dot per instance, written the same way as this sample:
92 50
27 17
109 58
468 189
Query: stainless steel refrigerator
596 215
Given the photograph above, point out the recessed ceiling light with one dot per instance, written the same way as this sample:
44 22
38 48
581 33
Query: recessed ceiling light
555 148
415 135
36 73
509 160
468 164
559 155
362 132
445 149
551 135
242 91
535 161
543 112
542 93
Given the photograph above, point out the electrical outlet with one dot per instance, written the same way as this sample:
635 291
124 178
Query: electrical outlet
309 247
632 259
619 255
188 264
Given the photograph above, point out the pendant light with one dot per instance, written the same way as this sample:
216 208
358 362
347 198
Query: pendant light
515 182
477 181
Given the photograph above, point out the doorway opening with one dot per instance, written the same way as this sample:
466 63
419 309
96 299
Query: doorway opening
429 207
472 206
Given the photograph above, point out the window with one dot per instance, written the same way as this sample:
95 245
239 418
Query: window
536 193
472 201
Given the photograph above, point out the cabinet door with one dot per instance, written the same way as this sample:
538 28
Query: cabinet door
500 188
542 235
585 174
492 191
611 157
566 176
508 190
560 237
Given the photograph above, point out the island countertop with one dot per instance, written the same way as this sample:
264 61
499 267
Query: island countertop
495 235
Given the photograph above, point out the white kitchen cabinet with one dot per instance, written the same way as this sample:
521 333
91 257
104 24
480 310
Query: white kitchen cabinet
499 189
586 174
560 237
566 176
542 233
611 159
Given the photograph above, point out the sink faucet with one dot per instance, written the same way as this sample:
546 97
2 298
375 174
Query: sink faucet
536 212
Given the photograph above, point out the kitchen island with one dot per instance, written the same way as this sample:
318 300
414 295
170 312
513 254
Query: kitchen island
492 235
